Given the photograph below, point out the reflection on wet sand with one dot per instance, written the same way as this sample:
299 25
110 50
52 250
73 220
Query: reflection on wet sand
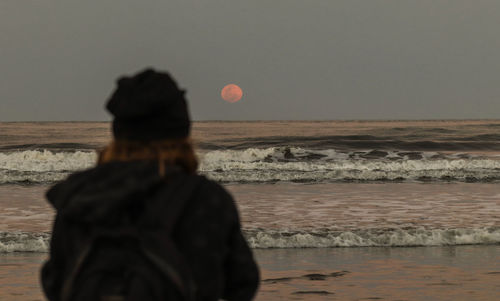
416 274
19 276
440 273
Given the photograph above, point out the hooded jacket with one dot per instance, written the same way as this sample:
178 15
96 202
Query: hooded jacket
207 232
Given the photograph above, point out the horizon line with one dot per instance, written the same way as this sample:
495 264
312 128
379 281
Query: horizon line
268 120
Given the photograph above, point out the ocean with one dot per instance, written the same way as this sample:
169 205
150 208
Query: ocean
334 210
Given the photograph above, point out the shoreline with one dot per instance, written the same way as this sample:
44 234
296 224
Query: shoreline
373 273
381 273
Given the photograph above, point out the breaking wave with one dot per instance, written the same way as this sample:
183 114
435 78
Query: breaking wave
24 242
274 164
372 238
303 165
42 166
261 238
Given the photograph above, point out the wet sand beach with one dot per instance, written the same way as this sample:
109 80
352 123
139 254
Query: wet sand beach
416 274
373 273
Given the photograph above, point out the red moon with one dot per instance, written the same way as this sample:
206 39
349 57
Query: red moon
231 93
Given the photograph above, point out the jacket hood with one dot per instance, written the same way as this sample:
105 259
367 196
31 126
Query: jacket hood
95 194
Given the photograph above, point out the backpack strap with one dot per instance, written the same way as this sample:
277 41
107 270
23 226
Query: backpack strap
161 249
170 200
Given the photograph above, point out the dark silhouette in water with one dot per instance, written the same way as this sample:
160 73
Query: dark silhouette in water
142 225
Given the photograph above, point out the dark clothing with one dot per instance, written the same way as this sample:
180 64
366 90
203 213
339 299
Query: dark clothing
207 232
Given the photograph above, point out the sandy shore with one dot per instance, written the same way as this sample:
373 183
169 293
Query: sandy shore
426 273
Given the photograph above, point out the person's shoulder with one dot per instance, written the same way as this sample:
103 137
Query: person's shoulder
214 197
102 179
211 187
62 190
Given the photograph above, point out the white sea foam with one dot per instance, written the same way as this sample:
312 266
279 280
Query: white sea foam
372 238
247 155
40 161
274 164
23 242
42 166
296 164
39 242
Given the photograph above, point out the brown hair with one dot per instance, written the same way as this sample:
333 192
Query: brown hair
167 152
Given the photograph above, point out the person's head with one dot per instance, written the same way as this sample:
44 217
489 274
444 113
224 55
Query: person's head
151 122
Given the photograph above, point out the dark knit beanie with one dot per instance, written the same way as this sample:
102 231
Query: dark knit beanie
149 106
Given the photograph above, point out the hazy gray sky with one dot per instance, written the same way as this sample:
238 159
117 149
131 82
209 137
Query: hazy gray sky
294 59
